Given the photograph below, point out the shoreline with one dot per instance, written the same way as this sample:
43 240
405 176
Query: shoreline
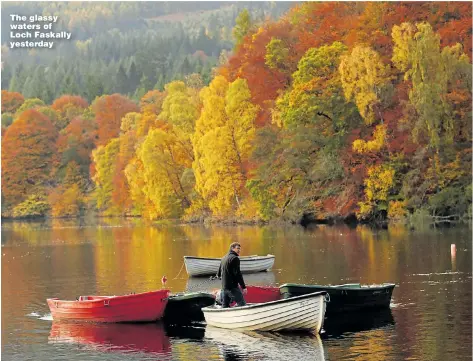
410 222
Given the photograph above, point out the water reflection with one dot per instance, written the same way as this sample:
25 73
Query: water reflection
66 259
148 338
338 325
268 346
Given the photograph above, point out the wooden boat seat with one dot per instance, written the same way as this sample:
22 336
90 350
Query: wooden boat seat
349 285
92 298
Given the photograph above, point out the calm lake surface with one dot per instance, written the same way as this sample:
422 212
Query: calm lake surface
430 316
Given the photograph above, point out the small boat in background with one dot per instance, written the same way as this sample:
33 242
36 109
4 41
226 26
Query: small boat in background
302 313
184 308
140 307
200 266
347 297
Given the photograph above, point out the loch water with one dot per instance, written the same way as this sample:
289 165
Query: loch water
430 316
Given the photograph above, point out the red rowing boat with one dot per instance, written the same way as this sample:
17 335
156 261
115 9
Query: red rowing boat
257 294
141 307
262 294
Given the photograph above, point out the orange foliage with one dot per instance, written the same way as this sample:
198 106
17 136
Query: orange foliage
152 101
314 24
11 101
109 110
67 107
61 104
79 137
249 63
27 151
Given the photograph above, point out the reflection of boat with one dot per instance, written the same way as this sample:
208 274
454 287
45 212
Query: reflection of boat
141 307
297 313
345 298
269 346
187 307
112 337
199 266
207 285
338 324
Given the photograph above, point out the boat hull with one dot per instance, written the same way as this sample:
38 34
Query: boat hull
303 313
347 298
197 266
142 307
186 308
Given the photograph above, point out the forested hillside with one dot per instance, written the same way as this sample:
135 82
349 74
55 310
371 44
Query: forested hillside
124 47
354 111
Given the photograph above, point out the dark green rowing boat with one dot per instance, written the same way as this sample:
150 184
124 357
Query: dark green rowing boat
345 298
184 308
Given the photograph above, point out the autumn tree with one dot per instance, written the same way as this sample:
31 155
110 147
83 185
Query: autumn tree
180 110
27 154
104 160
152 101
222 144
109 111
242 27
30 103
67 107
417 54
11 101
277 54
164 161
364 77
75 144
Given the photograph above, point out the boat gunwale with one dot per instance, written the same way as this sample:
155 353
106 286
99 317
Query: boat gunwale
119 297
258 305
242 258
189 296
340 287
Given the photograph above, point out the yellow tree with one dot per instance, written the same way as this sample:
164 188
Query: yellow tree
364 76
180 110
222 144
164 161
432 73
134 173
104 159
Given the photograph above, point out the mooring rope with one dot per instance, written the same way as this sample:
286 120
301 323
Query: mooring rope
179 271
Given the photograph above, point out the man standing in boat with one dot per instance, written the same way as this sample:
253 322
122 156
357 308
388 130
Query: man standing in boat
229 272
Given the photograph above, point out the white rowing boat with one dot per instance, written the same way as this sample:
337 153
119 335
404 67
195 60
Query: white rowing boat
301 313
198 266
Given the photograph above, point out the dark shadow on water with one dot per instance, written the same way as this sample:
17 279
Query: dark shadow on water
231 355
338 325
194 331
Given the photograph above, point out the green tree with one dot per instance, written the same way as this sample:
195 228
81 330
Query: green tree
242 27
